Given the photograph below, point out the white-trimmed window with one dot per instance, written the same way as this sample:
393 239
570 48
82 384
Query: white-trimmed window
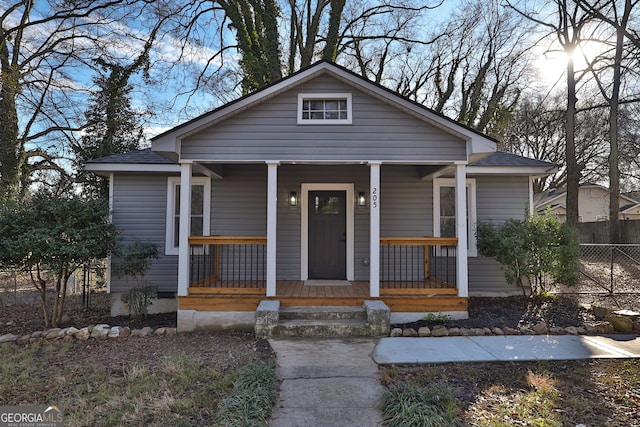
200 209
444 211
324 108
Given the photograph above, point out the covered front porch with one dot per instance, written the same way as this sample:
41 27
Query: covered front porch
416 275
409 265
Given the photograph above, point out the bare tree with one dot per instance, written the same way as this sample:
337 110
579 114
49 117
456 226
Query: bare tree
475 69
538 130
567 22
607 72
44 49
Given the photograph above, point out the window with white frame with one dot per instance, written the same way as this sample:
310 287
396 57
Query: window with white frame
324 108
444 211
200 207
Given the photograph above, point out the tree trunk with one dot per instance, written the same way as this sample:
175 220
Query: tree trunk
331 46
11 150
573 171
614 104
41 285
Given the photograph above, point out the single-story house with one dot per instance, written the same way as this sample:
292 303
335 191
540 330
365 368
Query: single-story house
593 203
322 189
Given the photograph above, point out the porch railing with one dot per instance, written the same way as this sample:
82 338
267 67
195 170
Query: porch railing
228 261
418 262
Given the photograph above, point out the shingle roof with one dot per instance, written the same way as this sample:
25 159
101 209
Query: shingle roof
145 156
502 158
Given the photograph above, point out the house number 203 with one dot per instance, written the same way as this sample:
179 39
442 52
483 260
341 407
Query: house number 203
374 197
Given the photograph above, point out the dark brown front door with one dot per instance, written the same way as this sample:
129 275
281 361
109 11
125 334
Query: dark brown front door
327 235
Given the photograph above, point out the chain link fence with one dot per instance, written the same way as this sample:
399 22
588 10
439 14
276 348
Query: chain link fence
16 286
610 268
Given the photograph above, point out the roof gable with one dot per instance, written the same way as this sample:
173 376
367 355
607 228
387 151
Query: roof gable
477 143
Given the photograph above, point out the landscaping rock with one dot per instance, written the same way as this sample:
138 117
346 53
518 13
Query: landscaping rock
621 323
146 331
487 331
23 340
572 330
83 334
160 331
8 338
478 332
600 313
636 325
454 332
541 328
557 330
527 331
38 334
604 328
53 333
497 331
409 332
424 331
439 331
511 331
581 330
464 332
114 332
591 330
170 331
100 331
71 331
396 332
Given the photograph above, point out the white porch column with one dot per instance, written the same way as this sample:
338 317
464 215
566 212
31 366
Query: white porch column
185 228
462 267
272 221
374 234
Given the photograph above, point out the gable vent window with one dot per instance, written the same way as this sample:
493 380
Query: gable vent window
327 108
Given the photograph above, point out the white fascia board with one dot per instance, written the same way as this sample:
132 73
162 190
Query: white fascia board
511 170
132 167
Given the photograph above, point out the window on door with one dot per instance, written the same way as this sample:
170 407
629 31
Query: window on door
444 211
200 207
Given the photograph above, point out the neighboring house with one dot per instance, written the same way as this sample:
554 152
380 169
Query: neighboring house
593 204
321 189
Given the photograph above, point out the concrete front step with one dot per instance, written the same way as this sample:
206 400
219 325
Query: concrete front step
323 313
372 319
323 328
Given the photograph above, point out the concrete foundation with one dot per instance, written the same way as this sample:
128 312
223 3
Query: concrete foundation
158 305
192 320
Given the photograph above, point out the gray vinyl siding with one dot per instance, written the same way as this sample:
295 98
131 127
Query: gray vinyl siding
269 131
139 207
497 198
238 207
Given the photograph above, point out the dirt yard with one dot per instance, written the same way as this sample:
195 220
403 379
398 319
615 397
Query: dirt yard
593 393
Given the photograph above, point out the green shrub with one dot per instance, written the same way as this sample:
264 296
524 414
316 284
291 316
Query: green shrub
255 393
408 405
132 261
539 250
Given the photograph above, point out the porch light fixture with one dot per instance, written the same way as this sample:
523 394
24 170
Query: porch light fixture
362 200
293 198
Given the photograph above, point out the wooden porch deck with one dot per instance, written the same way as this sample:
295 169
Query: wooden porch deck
296 293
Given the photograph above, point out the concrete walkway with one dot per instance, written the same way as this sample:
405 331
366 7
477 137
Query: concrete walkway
334 382
505 348
327 382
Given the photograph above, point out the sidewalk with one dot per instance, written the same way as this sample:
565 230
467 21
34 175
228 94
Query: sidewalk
334 382
505 348
327 382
